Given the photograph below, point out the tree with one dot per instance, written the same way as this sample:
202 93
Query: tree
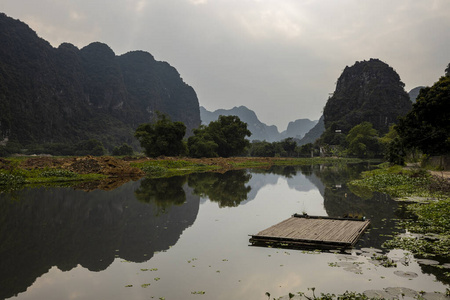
427 125
201 144
164 137
90 147
363 140
224 137
125 149
289 146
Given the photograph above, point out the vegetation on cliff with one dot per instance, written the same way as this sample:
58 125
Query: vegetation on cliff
368 91
66 95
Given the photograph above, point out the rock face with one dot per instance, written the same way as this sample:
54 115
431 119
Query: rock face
64 94
367 91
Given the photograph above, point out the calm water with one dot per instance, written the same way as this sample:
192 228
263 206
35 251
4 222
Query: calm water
179 237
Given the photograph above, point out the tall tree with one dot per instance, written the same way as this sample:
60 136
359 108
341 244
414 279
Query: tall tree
164 137
363 140
427 125
225 137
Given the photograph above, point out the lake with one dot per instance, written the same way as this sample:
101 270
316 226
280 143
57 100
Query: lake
187 237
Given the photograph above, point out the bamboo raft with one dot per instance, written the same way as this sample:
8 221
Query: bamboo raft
303 231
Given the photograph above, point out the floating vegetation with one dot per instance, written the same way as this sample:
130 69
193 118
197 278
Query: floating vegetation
383 260
198 293
129 285
145 285
58 173
157 278
387 293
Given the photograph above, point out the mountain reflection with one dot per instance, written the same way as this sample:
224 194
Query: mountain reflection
41 228
45 227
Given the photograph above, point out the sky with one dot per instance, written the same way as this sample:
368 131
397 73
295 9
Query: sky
279 58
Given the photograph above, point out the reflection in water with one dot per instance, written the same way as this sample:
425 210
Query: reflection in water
62 227
42 228
228 189
163 192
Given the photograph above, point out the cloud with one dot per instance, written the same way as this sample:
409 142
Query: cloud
279 58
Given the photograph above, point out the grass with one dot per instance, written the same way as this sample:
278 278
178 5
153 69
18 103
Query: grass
15 178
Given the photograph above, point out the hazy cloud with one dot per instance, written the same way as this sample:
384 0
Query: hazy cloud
279 58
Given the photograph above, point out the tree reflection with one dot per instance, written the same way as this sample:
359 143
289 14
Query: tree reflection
228 189
163 192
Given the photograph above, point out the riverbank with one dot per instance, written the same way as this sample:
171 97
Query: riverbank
428 198
45 170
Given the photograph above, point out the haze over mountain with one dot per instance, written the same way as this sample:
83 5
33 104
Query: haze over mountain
260 131
298 128
414 93
66 94
315 133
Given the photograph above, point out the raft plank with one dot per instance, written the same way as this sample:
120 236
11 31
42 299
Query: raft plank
315 231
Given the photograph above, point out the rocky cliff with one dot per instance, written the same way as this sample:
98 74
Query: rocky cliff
66 94
367 91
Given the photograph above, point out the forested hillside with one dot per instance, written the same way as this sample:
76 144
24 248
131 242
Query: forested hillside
369 91
67 95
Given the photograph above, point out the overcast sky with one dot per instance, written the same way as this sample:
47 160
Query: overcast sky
280 58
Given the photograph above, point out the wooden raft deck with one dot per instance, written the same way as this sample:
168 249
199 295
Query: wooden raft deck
302 231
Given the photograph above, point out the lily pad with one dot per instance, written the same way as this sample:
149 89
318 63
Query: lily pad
403 274
378 294
346 257
434 296
402 291
427 262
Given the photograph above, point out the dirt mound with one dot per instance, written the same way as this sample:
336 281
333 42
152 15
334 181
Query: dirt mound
41 163
103 165
85 165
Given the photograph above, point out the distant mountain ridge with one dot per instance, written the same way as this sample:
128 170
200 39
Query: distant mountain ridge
298 128
414 93
66 94
260 131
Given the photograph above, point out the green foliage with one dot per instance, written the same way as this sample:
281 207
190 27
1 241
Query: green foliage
396 185
58 173
90 147
363 141
201 144
164 137
123 150
427 125
433 221
11 179
225 137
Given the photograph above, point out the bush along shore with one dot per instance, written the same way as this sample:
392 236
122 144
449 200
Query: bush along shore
428 208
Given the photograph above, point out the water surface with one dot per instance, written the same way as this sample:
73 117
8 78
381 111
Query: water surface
188 238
